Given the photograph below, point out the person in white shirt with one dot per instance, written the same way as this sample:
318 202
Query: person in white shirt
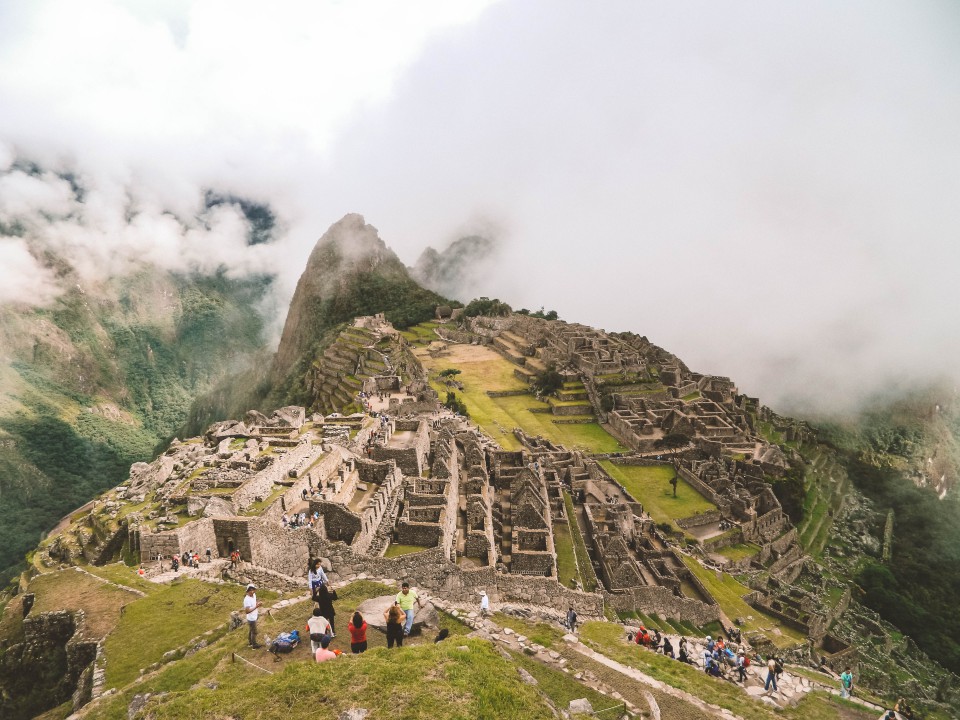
484 603
318 626
251 609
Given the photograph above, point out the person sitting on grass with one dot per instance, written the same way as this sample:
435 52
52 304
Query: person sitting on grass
324 653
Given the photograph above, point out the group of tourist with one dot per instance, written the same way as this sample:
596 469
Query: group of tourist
321 626
190 558
299 520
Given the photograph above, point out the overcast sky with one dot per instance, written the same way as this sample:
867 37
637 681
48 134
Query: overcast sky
769 190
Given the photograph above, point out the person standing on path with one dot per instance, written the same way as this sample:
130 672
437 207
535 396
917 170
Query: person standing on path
742 666
394 617
484 603
846 683
405 599
771 675
251 609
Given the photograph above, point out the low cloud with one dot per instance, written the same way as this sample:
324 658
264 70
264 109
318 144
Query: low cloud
767 190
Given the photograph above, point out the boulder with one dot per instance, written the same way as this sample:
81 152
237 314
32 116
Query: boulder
581 705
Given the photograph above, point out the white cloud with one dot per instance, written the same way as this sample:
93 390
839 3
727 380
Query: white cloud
767 190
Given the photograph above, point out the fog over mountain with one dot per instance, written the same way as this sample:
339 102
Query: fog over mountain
768 190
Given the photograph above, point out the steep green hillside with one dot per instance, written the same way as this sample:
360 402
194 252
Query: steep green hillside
103 379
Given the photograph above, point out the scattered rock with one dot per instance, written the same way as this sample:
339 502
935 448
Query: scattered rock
527 677
581 705
136 705
354 714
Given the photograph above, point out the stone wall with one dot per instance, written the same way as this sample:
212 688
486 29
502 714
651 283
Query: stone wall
411 459
661 601
197 535
282 549
261 484
340 523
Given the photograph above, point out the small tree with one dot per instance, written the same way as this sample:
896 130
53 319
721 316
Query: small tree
548 381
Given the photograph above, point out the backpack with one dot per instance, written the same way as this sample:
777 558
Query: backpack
746 661
285 642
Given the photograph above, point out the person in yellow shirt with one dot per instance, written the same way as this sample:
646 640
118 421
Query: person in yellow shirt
406 598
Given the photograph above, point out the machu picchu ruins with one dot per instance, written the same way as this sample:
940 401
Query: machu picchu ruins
379 473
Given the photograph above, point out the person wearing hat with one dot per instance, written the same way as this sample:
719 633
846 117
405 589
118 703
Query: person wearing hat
251 610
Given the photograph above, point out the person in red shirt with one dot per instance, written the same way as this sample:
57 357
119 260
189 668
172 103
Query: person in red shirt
358 634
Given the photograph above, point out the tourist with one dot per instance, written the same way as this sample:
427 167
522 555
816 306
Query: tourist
142 572
405 599
251 610
318 628
571 619
175 563
315 577
358 633
323 654
394 617
683 656
846 683
325 603
742 666
668 647
209 555
484 603
771 675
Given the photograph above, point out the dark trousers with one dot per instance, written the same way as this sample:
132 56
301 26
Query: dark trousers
357 648
394 635
252 627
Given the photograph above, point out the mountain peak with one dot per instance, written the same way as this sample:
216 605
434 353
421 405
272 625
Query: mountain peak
350 272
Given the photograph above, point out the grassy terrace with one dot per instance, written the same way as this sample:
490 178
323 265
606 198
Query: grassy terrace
566 556
729 594
587 576
482 369
396 550
651 487
739 552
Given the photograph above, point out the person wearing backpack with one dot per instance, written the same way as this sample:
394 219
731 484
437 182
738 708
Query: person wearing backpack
771 675
742 661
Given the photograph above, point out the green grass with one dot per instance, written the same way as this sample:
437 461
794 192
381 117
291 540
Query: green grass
425 682
396 550
739 552
566 557
823 706
165 620
650 485
560 687
498 416
540 633
124 575
729 594
587 574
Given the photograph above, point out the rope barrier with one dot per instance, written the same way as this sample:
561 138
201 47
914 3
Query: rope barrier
241 657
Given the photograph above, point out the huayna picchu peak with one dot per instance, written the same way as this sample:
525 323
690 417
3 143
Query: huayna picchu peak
587 525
